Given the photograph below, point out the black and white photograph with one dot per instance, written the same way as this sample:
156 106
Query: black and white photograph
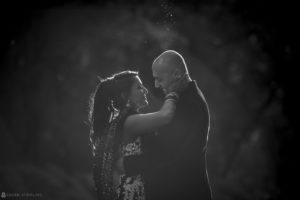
148 100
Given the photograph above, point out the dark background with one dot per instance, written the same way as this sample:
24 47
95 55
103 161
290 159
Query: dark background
239 51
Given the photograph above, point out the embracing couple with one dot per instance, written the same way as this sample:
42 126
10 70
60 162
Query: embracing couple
150 156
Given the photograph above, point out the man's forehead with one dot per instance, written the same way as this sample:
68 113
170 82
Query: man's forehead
158 69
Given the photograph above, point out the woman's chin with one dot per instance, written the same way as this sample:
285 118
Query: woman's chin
144 104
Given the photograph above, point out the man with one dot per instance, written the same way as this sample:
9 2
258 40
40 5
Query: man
174 160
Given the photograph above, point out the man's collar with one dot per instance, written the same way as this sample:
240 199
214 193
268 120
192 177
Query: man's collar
189 87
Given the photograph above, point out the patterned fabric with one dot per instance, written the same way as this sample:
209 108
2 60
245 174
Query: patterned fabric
131 187
106 151
104 156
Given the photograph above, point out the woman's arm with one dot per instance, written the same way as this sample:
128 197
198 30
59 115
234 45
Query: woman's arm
139 124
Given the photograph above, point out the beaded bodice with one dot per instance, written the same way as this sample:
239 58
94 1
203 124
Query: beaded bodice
132 148
131 187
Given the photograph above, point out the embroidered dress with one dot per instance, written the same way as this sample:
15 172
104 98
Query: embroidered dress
131 187
104 157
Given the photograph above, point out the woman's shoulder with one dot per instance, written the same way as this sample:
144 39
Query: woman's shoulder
126 113
122 116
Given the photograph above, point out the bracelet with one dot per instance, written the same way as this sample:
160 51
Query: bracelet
172 96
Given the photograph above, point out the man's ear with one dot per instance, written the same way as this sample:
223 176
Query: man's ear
177 74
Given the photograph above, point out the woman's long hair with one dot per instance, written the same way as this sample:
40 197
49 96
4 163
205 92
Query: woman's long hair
107 99
107 107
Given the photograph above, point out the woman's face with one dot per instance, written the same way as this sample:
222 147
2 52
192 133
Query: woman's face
137 94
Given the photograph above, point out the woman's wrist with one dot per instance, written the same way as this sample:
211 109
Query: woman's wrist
172 96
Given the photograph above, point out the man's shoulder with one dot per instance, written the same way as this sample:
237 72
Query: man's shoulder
193 103
193 94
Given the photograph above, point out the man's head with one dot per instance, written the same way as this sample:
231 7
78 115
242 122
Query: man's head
167 69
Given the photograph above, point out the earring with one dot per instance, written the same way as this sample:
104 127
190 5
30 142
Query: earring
128 103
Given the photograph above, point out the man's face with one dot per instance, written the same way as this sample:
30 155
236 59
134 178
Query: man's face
162 79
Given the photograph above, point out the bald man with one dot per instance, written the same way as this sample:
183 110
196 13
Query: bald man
169 70
173 161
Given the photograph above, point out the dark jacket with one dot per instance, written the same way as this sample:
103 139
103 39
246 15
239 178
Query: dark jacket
174 162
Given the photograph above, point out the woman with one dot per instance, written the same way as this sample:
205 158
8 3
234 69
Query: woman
116 127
